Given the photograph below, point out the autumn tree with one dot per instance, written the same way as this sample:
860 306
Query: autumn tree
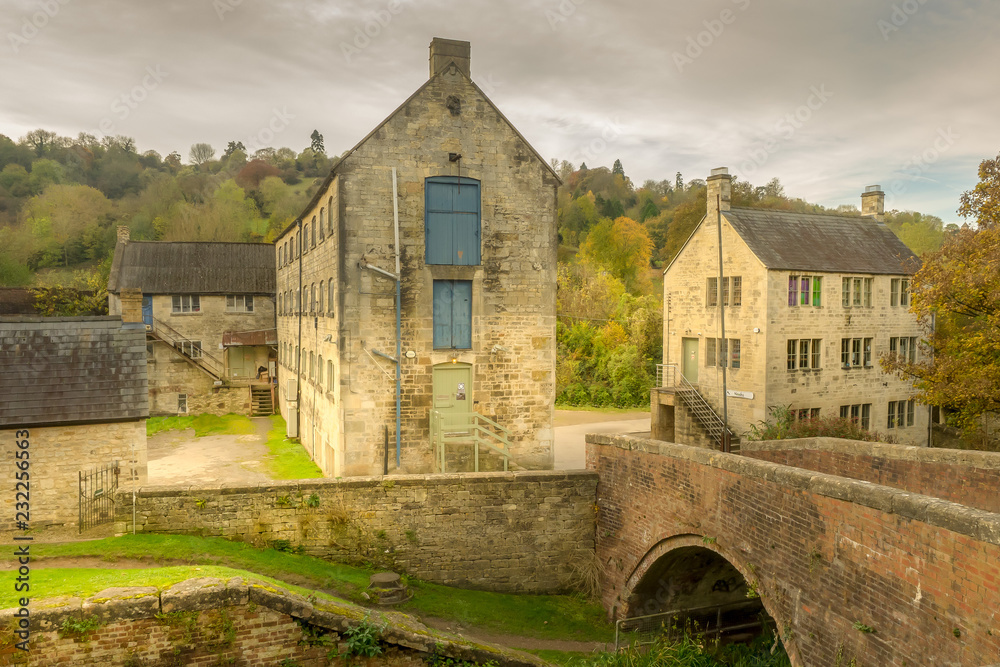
623 248
956 296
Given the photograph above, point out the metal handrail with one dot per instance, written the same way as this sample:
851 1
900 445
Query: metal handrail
206 360
639 623
465 427
693 396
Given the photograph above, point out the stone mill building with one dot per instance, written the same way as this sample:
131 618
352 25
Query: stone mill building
810 301
448 197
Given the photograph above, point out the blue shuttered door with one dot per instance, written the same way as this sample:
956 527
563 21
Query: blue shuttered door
453 314
452 221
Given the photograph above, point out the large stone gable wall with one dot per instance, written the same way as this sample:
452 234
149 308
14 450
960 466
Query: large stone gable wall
515 532
965 477
824 552
513 304
208 621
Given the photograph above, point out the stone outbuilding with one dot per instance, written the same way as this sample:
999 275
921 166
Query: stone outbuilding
448 197
208 310
74 398
810 303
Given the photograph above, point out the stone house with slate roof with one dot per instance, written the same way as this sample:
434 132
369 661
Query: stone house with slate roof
208 310
74 389
811 301
475 250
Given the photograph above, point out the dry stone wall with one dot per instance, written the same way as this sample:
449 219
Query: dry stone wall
515 532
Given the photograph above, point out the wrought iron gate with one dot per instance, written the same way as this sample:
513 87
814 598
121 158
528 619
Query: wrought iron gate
97 495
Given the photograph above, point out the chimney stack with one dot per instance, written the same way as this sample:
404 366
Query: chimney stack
123 234
873 202
720 185
446 51
131 300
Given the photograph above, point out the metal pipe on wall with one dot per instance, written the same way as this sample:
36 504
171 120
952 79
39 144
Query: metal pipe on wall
399 316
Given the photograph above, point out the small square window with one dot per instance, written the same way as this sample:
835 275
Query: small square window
182 403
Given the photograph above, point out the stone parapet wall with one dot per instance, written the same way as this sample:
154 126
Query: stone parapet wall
825 553
966 477
516 531
208 621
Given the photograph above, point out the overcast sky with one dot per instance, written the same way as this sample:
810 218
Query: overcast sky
827 96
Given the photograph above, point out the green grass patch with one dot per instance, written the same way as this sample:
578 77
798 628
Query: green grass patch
567 658
231 424
542 616
287 459
86 582
539 616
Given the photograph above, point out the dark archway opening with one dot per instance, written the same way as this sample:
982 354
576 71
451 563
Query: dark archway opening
695 589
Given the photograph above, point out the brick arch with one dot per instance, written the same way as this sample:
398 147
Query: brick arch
672 544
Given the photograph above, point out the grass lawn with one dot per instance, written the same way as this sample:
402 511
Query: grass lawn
231 424
287 459
539 616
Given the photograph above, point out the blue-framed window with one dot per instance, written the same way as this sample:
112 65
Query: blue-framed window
452 214
453 314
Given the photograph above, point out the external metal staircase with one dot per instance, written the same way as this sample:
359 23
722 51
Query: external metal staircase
708 419
185 347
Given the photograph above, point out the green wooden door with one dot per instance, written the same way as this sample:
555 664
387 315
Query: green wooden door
452 392
689 353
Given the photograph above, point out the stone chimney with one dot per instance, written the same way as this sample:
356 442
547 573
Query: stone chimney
131 299
123 234
873 202
720 185
447 51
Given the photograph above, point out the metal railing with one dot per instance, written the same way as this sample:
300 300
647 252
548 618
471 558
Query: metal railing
213 365
97 495
467 428
668 376
710 621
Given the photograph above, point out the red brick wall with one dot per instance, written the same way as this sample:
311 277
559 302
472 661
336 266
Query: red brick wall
965 477
824 552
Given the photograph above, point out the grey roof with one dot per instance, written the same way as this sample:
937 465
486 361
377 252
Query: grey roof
61 370
160 267
821 242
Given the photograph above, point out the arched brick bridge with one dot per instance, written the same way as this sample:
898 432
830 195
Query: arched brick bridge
853 557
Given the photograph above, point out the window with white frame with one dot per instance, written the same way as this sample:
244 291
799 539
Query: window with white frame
856 292
856 352
900 414
904 348
861 413
804 353
239 303
899 292
191 348
185 303
720 351
804 414
732 291
182 403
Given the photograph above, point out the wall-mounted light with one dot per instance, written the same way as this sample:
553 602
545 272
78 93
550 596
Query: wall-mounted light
328 338
410 354
454 359
756 330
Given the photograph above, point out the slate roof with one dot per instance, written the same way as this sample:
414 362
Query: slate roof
64 370
160 267
821 242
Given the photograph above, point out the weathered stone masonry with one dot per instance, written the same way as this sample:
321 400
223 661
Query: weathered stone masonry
825 552
208 621
496 531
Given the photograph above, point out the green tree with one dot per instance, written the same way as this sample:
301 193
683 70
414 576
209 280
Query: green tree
617 169
317 143
957 289
623 248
